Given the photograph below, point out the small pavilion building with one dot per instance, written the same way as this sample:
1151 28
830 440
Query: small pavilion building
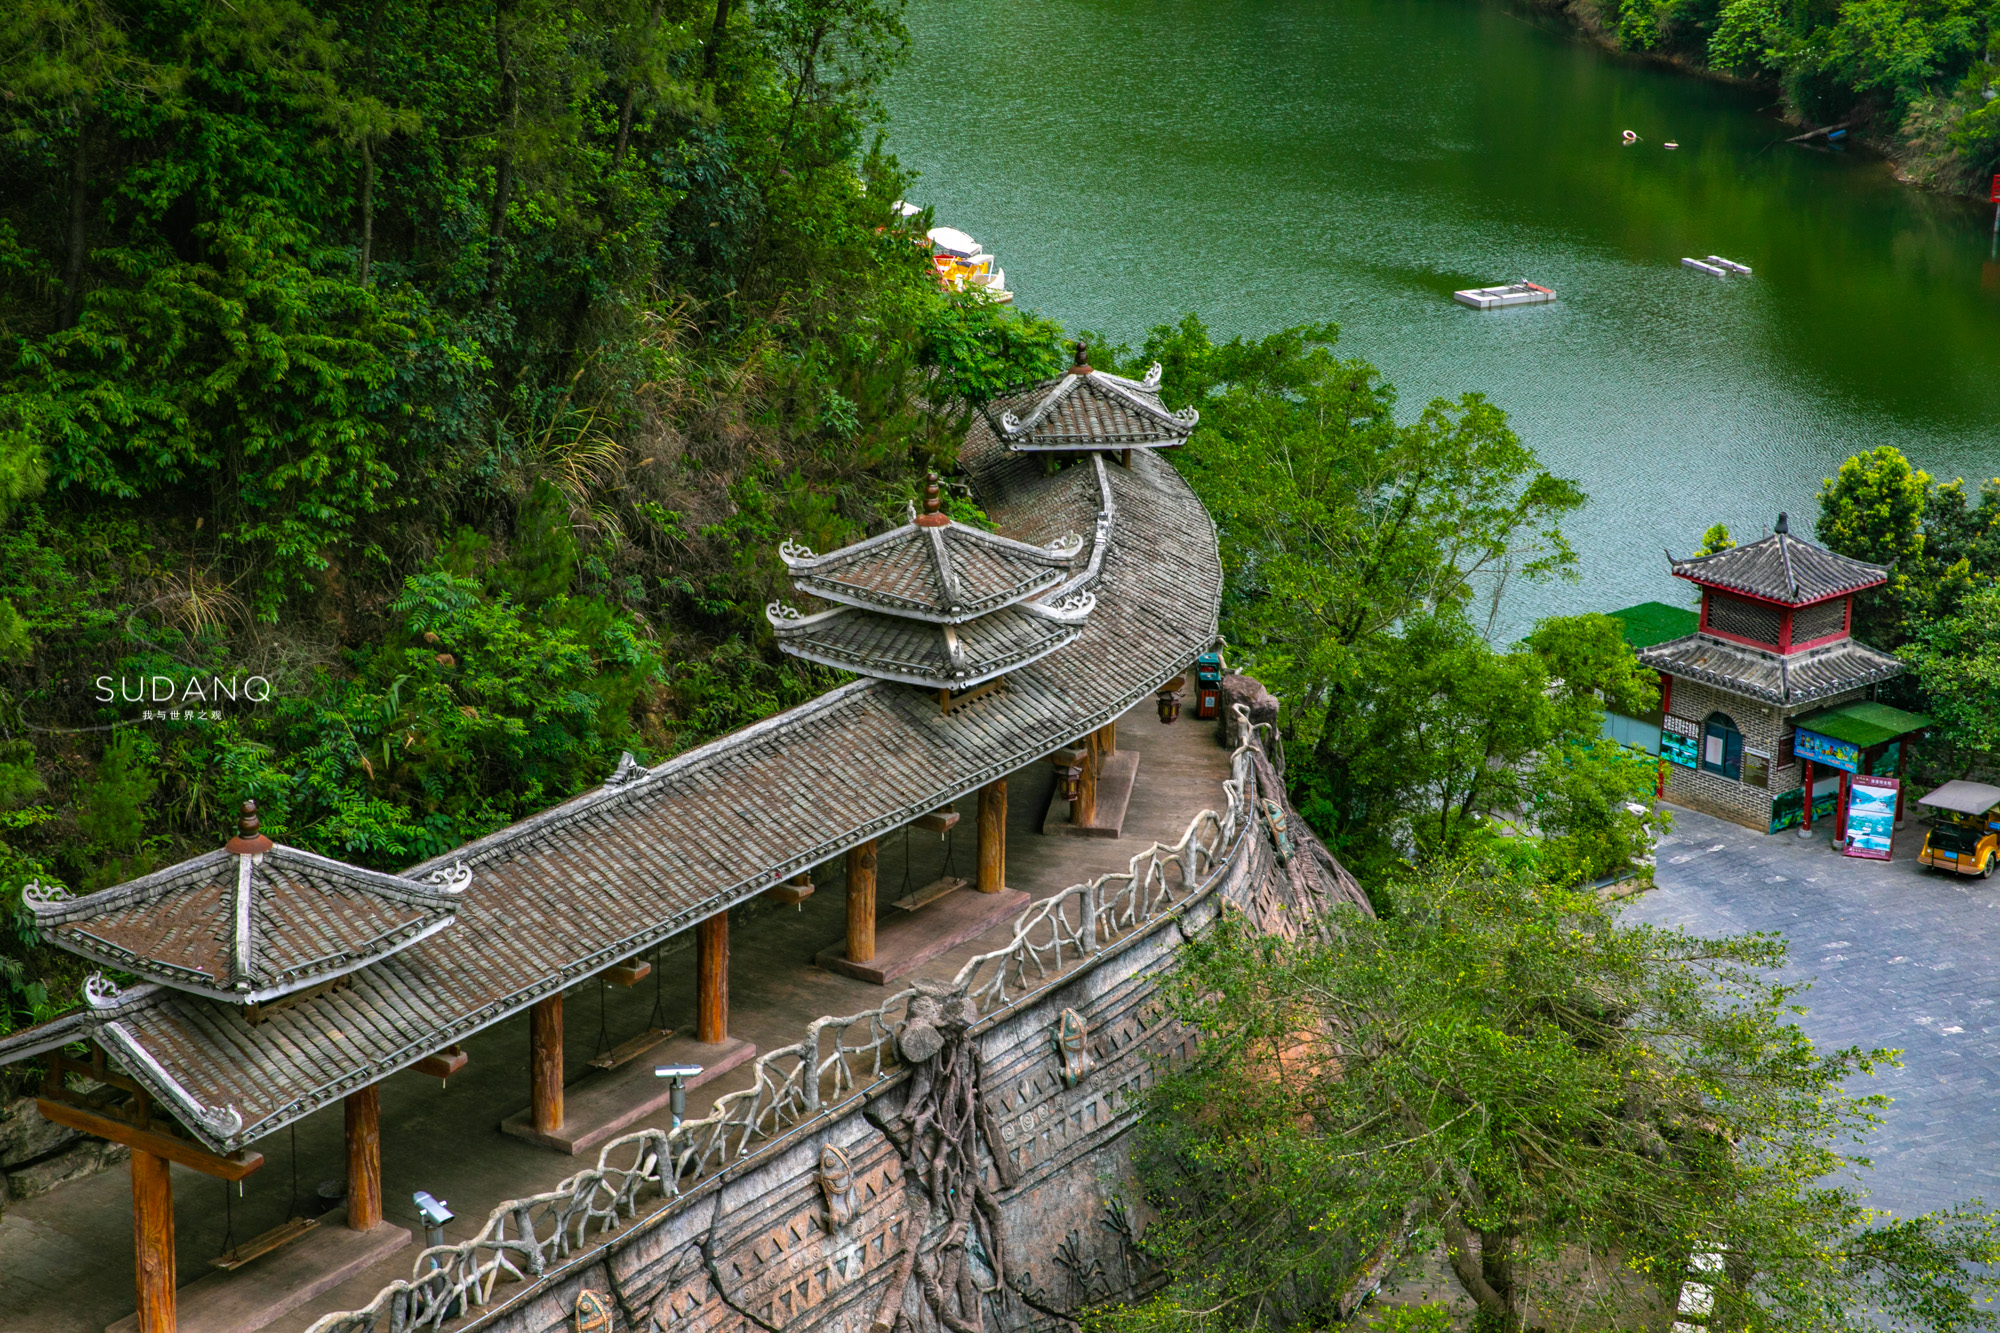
1755 700
1086 410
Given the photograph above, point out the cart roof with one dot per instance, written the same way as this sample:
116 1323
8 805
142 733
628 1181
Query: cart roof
1967 798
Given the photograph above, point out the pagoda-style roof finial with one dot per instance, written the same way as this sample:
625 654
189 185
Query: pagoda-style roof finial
1082 366
933 515
248 841
1784 523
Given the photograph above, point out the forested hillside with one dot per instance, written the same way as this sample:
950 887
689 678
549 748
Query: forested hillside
451 369
1916 76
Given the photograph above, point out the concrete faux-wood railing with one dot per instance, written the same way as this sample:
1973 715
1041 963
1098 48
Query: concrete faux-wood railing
840 1061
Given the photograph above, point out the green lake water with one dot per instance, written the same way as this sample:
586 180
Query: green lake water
1270 162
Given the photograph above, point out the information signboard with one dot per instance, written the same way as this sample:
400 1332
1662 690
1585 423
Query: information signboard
1680 741
1871 817
1843 755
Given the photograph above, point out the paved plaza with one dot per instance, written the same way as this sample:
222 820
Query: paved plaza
1898 955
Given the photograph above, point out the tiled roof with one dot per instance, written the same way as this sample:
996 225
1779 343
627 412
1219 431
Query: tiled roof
559 897
1796 678
1089 409
935 656
1781 568
247 928
946 574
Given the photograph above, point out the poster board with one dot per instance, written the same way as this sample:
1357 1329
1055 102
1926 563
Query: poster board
1871 817
1680 741
1843 755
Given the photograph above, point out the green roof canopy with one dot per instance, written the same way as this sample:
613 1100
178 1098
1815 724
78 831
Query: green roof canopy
1864 724
1649 623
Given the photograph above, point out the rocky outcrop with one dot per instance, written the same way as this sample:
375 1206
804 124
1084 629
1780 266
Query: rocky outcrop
36 1155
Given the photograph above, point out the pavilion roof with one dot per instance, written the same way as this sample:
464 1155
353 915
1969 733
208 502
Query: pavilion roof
1864 723
248 927
1796 678
1781 568
943 571
1087 408
936 656
559 897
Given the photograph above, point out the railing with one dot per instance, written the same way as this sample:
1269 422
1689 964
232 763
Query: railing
524 1238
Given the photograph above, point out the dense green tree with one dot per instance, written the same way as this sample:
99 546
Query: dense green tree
1573 1109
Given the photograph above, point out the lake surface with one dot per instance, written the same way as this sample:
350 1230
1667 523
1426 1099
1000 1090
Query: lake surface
1272 162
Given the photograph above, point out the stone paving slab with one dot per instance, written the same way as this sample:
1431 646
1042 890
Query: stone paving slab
1897 954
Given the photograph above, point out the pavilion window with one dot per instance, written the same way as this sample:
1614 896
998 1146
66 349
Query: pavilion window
1722 747
1745 620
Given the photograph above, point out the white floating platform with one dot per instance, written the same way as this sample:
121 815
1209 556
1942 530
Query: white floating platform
1729 264
1703 266
1514 293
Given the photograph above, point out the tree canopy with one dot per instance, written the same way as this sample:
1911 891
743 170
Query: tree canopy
1573 1108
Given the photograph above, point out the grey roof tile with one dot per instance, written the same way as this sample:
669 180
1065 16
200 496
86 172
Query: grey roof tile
1797 678
558 897
1782 568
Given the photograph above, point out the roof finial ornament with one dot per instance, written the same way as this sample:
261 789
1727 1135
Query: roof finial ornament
248 841
1082 366
1784 523
933 515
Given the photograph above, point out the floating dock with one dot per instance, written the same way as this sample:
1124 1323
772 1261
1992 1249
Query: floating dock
1729 264
1514 293
1703 266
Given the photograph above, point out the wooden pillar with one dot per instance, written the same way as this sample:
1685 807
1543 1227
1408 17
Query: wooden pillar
711 951
364 1158
861 902
1084 811
1108 737
1809 796
153 1241
545 1062
993 836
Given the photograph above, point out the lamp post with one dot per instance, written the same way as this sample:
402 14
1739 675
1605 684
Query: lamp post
679 1074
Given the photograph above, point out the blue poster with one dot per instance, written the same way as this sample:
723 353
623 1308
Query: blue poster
1679 749
1826 750
1871 817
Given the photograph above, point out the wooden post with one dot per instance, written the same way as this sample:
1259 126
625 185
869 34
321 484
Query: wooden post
545 1062
1809 795
993 836
364 1158
711 948
153 1241
1084 811
861 902
1109 732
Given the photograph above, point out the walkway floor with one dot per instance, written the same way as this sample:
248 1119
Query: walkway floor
66 1258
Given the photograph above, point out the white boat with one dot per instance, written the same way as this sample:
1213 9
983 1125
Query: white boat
1730 265
1513 293
952 241
1703 266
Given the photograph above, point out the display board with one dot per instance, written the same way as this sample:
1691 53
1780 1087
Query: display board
1843 755
1680 741
1871 817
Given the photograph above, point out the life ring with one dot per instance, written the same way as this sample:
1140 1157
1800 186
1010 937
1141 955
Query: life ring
1631 137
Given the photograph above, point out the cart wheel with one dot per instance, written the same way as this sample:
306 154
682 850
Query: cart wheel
1986 868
